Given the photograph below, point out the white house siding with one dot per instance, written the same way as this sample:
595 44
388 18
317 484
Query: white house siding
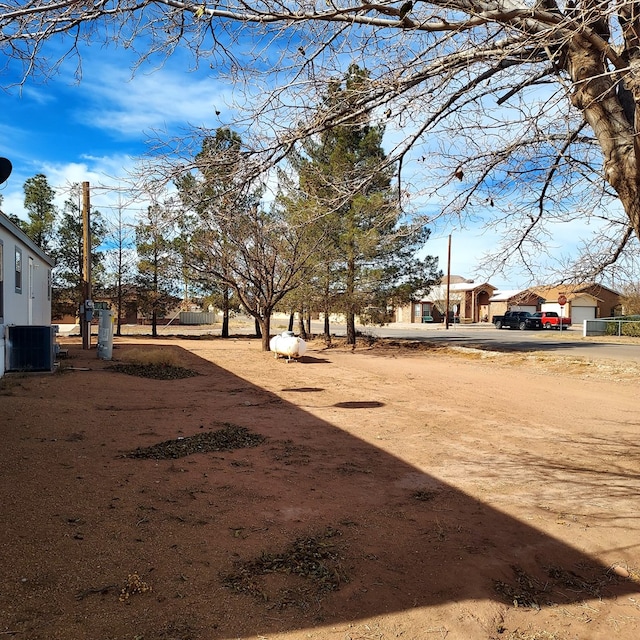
561 311
25 282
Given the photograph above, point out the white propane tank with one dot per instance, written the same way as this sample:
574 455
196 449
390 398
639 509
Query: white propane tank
287 345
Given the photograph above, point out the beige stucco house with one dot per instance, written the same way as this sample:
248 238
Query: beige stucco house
583 301
468 302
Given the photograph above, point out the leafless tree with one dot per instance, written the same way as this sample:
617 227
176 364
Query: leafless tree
257 254
526 111
119 262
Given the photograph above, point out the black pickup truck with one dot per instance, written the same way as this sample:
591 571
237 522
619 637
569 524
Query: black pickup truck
517 320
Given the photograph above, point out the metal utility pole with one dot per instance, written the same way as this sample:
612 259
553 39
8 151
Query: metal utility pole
87 313
446 322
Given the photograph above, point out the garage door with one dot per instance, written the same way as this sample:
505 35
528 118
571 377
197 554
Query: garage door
579 314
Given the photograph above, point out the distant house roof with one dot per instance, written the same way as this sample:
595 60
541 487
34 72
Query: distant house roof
439 291
25 239
551 293
509 294
454 279
571 291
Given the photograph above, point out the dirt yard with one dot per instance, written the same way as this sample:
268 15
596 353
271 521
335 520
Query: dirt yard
390 492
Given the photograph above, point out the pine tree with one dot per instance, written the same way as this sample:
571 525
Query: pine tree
68 254
38 201
370 259
156 266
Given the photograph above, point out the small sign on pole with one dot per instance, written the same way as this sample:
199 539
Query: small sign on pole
562 300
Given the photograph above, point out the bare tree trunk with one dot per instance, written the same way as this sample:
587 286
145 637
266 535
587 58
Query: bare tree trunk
292 316
119 307
595 95
351 328
225 313
326 307
264 326
327 328
350 292
119 292
260 333
154 324
301 328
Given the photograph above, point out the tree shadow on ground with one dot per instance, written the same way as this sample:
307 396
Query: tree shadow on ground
313 526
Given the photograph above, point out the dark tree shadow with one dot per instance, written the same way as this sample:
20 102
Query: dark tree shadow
387 537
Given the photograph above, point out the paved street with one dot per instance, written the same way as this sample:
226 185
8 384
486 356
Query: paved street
486 336
483 336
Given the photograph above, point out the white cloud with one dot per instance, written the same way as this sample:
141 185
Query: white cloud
105 175
161 101
39 94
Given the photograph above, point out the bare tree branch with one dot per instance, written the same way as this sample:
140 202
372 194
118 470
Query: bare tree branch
497 91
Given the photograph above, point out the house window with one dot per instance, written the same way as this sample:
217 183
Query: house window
18 270
1 284
417 311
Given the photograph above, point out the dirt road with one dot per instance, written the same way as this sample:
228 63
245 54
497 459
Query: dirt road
390 492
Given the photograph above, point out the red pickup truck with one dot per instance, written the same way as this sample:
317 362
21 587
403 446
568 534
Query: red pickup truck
551 320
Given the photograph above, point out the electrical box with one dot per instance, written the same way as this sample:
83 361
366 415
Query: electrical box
88 310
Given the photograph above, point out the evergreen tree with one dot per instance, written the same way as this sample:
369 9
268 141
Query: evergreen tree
11 216
216 162
69 255
38 201
156 266
370 259
259 253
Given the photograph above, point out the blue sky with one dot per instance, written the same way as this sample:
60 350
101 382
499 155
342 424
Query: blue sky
95 129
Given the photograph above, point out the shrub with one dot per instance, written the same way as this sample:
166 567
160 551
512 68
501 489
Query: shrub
631 329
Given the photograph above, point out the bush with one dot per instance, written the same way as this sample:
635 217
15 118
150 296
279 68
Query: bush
611 329
375 315
629 329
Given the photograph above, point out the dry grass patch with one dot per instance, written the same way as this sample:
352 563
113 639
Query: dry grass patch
157 363
155 356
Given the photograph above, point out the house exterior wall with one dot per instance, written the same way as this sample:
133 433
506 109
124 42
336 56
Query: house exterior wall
467 301
416 311
25 282
482 305
498 308
582 306
607 302
476 304
522 301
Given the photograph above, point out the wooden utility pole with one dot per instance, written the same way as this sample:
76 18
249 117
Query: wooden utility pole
446 322
87 314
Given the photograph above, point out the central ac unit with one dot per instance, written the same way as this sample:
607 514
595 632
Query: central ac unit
30 348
